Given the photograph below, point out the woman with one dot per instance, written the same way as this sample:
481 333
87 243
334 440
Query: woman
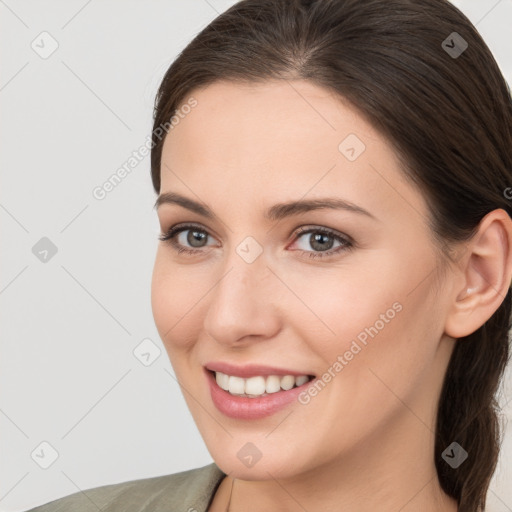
333 280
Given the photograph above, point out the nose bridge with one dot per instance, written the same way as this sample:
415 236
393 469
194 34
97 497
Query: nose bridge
245 272
239 303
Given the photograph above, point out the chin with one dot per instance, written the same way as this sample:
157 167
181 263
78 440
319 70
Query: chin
261 470
261 460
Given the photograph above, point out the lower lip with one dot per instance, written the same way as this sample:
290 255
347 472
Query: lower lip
244 408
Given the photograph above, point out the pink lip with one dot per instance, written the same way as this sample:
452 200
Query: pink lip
250 370
244 408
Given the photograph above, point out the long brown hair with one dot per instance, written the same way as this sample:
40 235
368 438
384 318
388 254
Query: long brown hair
440 100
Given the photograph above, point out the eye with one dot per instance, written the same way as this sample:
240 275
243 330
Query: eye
322 241
192 239
181 235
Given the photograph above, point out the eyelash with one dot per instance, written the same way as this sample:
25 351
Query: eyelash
348 244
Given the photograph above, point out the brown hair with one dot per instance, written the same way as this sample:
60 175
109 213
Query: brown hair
447 115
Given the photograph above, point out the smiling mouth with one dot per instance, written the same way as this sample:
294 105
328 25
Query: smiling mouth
258 386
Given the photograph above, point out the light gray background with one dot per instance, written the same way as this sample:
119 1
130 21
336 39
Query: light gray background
68 374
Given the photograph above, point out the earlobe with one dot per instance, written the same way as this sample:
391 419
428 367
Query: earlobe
487 272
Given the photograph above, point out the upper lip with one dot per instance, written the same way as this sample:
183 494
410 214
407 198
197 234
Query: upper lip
250 370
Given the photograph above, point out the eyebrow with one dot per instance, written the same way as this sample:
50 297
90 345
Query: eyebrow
274 213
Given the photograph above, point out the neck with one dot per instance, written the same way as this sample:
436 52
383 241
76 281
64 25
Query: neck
391 473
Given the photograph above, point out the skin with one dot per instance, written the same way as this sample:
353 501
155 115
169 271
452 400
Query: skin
367 439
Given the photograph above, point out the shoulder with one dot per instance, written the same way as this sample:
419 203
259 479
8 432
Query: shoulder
188 490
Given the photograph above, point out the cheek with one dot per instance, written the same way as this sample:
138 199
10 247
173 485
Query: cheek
386 354
374 316
178 301
345 302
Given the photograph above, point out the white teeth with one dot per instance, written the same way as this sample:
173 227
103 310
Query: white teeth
222 380
273 384
236 385
258 386
301 380
287 382
255 386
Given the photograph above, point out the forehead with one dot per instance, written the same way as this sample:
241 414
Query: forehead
269 118
281 140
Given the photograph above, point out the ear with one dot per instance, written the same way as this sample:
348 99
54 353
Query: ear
486 275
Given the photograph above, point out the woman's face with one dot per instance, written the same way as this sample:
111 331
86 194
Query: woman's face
344 294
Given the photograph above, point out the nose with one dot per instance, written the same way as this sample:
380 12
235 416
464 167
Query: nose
241 307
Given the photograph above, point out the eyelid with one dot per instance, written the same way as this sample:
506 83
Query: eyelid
177 229
190 225
297 231
312 228
346 241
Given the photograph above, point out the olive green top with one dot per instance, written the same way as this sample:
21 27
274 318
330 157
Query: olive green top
188 491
